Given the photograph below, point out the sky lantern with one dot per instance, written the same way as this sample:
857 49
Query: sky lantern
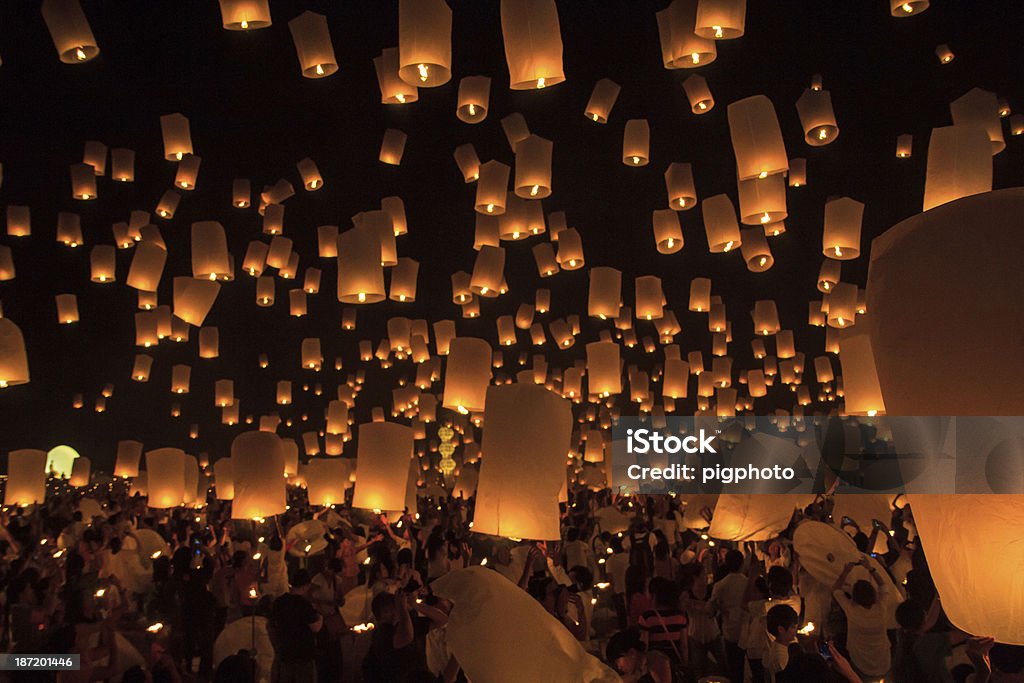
313 45
755 250
95 155
762 200
26 477
382 464
473 99
944 54
492 188
360 274
245 15
177 136
67 308
720 19
602 99
83 182
103 264
681 47
13 359
533 43
605 293
604 375
468 162
720 226
467 375
698 94
907 8
393 90
122 165
19 221
70 31
980 108
819 122
258 463
636 143
224 479
165 468
188 172
841 237
958 165
81 469
392 147
679 184
424 42
210 257
533 167
326 481
403 280
570 250
528 434
904 146
310 174
756 138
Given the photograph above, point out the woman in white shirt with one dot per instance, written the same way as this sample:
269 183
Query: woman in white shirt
865 609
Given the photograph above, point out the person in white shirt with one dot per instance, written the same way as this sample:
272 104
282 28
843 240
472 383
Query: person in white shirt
865 609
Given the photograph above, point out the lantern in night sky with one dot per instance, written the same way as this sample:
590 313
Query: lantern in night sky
424 42
70 31
533 43
313 45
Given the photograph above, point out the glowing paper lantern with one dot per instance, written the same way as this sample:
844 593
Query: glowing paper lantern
720 19
980 108
245 15
424 42
83 182
650 298
257 461
488 271
533 43
680 187
467 374
763 200
907 8
602 99
720 226
26 477
165 469
904 146
698 94
944 54
188 172
70 31
492 188
681 47
80 471
168 204
210 257
700 294
533 167
487 612
862 393
753 517
95 155
756 138
570 250
393 90
468 162
311 178
141 368
842 305
517 498
126 463
382 461
817 118
19 221
13 359
604 375
392 146
102 263
755 250
177 136
959 164
403 280
67 308
841 237
605 294
636 143
193 299
360 275
224 479
313 45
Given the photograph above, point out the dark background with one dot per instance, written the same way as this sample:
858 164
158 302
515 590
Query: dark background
253 116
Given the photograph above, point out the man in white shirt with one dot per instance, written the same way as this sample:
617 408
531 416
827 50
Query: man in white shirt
728 596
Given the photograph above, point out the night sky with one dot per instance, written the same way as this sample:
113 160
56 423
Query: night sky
254 116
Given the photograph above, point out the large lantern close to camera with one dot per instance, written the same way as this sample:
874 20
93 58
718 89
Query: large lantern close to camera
13 359
533 43
26 477
257 461
382 466
528 433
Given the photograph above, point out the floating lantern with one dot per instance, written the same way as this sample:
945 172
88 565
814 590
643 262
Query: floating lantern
81 468
904 146
958 164
756 138
492 188
102 263
842 305
165 469
755 250
83 182
147 267
245 15
649 298
980 108
141 368
474 99
13 359
193 299
547 262
26 477
257 462
605 294
188 172
326 481
570 250
168 204
69 229
720 19
392 146
403 280
224 478
95 155
19 221
602 99
310 174
817 118
766 317
681 47
907 8
209 342
636 143
424 42
210 258
679 185
944 54
604 375
313 45
488 271
393 90
533 167
533 43
699 95
468 162
67 309
360 275
467 374
177 136
720 226
762 200
70 31
841 237
700 294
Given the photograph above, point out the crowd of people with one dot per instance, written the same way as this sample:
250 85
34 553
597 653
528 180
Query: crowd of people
330 594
